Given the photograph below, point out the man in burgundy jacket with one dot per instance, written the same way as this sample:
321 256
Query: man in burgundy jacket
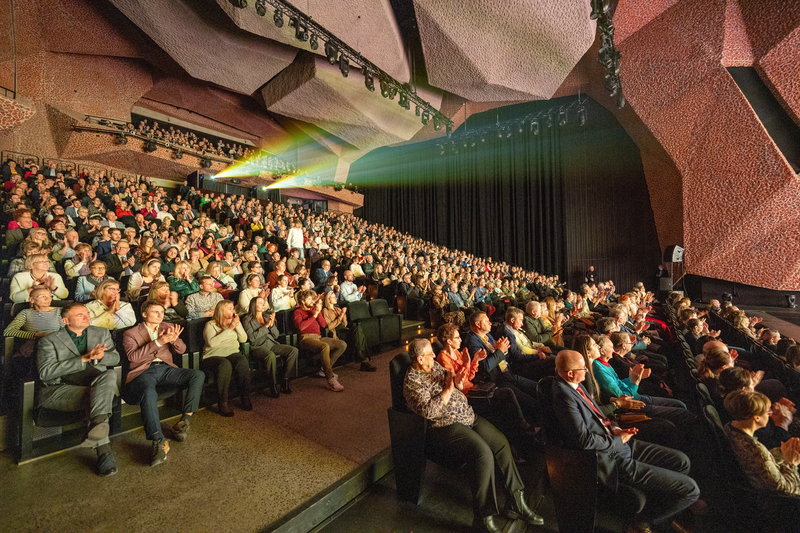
309 321
149 348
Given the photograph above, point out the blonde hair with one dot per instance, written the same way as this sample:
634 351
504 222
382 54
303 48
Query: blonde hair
143 271
219 311
152 296
101 289
31 259
743 404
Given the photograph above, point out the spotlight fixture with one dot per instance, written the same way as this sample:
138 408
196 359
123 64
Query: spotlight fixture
790 301
122 139
240 3
549 120
449 130
562 117
369 82
417 111
599 7
437 123
261 8
278 18
332 53
313 43
426 118
620 100
535 126
392 92
300 28
206 163
178 154
582 115
150 146
384 88
344 65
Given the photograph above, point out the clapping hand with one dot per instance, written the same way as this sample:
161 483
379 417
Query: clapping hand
790 451
95 354
234 322
480 355
625 434
170 334
502 344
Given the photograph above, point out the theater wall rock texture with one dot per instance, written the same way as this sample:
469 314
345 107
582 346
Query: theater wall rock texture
740 198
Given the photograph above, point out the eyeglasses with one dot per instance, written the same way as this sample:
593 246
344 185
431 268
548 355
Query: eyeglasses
584 369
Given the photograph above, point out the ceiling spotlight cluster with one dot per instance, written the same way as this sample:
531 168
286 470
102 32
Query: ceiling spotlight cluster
531 124
609 55
338 52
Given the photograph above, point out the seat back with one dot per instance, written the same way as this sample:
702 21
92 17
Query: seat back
196 340
379 308
397 375
358 311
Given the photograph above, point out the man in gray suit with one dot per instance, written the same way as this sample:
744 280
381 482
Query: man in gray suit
74 368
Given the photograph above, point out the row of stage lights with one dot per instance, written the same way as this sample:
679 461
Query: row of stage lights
531 124
337 52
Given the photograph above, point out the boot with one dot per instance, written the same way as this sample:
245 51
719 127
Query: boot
224 407
517 509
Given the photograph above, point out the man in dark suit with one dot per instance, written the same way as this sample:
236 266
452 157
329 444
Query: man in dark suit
74 366
320 275
118 263
658 471
496 367
149 348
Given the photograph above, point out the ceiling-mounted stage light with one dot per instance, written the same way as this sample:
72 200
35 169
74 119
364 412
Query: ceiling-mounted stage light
549 120
206 162
278 18
535 126
300 28
344 65
581 115
313 43
562 117
261 8
384 88
417 111
369 82
620 100
240 3
449 129
437 123
426 118
122 139
332 53
599 7
150 146
178 154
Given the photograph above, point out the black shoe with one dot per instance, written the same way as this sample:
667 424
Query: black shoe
179 430
366 366
160 451
247 405
273 391
488 524
225 409
286 389
517 509
106 465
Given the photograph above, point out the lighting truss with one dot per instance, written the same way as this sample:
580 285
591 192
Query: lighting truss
306 29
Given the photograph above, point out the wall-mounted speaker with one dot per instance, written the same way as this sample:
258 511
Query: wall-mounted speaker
673 254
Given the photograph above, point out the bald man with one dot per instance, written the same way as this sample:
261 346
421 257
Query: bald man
659 472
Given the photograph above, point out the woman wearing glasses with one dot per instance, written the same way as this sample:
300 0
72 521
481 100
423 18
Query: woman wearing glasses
37 275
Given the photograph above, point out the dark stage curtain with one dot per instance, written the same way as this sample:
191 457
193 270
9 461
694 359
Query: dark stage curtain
556 201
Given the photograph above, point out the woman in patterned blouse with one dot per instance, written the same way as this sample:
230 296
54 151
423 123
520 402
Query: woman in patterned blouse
770 470
458 435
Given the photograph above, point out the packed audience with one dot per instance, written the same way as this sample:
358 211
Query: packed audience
91 254
189 140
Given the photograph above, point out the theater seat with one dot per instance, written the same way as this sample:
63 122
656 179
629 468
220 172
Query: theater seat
359 313
573 477
390 324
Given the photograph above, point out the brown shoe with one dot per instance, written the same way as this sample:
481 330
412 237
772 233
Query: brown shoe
179 430
160 451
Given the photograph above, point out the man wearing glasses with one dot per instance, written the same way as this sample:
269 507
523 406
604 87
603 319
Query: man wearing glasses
658 471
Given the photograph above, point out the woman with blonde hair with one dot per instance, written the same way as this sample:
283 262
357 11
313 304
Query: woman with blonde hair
223 358
37 274
181 281
174 309
140 282
552 319
336 318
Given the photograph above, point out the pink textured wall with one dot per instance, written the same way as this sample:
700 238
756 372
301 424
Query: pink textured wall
13 113
741 200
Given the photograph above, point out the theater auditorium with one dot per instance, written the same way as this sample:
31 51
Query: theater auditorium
356 266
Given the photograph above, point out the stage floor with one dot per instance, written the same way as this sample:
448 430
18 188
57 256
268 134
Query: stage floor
232 474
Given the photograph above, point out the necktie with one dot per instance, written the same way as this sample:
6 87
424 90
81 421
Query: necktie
605 420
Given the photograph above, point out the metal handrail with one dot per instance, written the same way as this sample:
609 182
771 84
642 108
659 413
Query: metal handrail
19 157
8 93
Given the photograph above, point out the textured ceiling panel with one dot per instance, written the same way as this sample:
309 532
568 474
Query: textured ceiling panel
737 51
780 68
510 50
631 15
198 36
314 91
368 26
